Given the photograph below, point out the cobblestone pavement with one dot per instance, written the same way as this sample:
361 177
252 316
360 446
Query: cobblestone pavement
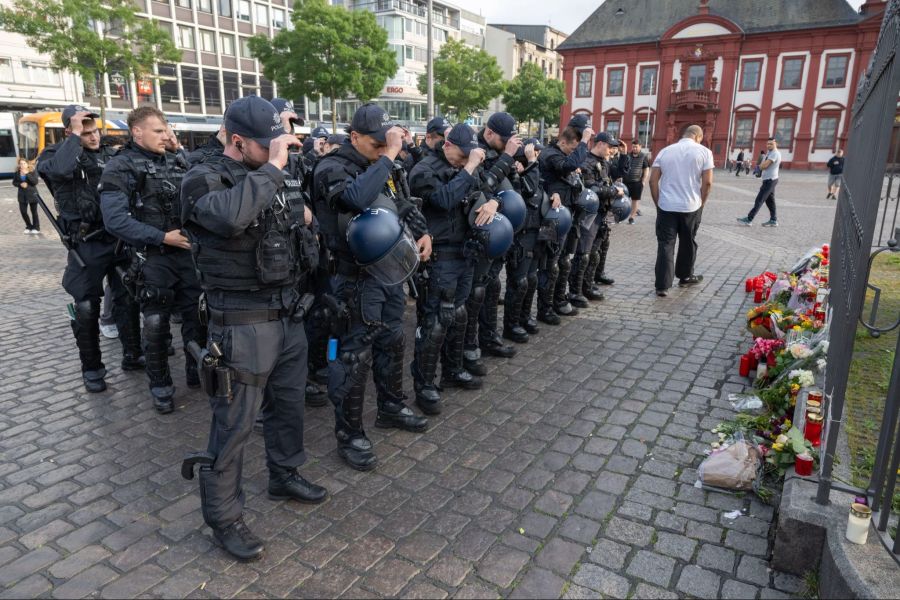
570 474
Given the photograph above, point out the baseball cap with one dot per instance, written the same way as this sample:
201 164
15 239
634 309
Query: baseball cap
336 138
579 122
606 138
537 143
319 132
370 119
282 105
255 118
437 125
69 112
502 124
463 137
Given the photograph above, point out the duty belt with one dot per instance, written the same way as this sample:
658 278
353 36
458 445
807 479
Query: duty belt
246 317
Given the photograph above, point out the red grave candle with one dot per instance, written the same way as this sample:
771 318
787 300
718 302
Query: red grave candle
813 430
745 366
803 463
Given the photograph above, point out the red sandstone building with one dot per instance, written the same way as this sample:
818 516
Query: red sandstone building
742 69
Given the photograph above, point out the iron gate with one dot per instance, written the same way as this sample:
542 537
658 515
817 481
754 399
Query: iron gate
865 195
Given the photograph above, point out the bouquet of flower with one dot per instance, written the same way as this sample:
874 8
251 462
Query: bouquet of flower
762 347
762 319
785 449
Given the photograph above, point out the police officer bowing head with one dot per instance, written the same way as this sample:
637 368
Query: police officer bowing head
250 264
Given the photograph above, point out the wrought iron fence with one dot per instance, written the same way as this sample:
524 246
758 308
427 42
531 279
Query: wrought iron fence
867 205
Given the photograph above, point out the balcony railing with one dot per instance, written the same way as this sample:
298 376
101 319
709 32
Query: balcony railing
695 99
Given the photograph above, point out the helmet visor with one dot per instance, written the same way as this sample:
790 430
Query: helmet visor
587 219
398 264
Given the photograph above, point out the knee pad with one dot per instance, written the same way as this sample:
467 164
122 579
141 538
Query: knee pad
565 262
87 309
158 296
532 279
396 343
460 316
477 294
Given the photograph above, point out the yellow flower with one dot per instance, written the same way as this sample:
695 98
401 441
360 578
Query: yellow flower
777 447
787 425
795 388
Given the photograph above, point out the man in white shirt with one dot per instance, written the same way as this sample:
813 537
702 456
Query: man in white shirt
680 182
766 194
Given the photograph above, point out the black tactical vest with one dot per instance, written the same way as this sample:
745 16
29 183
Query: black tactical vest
446 228
156 199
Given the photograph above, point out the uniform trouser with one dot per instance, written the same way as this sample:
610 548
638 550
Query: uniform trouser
317 327
565 265
480 280
441 327
273 355
487 316
766 195
521 269
547 255
85 285
672 226
170 286
587 233
374 340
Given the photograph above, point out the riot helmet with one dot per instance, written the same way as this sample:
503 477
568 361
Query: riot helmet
382 246
587 205
512 206
561 217
620 206
495 237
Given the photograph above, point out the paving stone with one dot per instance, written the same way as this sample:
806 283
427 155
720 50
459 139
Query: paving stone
596 505
704 531
78 562
134 583
539 583
735 590
577 592
601 580
676 546
629 532
609 554
390 577
648 591
502 565
27 564
651 567
747 543
421 547
753 570
770 594
85 583
560 556
698 582
580 529
788 583
449 570
553 503
716 557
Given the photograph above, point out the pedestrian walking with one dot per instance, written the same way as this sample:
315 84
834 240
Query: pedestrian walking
769 166
26 181
635 177
835 174
680 183
739 164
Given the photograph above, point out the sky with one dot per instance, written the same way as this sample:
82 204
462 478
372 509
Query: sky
565 15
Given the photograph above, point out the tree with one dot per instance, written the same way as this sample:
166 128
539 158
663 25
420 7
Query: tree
531 96
330 52
465 79
92 38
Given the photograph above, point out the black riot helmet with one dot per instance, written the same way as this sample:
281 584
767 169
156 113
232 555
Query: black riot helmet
495 237
620 206
382 245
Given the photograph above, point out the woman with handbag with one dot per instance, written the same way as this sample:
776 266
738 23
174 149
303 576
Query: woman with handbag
26 180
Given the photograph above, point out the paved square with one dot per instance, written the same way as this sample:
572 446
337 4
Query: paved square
570 474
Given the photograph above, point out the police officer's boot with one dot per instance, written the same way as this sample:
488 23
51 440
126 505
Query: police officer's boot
455 370
315 396
156 340
561 305
601 276
239 541
429 339
489 340
526 320
512 310
287 484
129 324
545 311
589 288
353 445
86 327
392 410
471 352
576 281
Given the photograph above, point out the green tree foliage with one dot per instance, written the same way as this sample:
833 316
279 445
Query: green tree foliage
93 38
532 96
330 52
465 79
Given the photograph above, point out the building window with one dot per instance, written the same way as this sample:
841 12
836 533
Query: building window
207 41
696 77
248 85
784 132
245 48
616 82
204 6
743 132
190 85
400 52
792 73
612 128
6 70
230 87
226 41
584 84
826 132
836 70
266 89
211 90
277 18
243 11
750 74
648 81
224 8
183 3
644 129
262 14
185 37
168 83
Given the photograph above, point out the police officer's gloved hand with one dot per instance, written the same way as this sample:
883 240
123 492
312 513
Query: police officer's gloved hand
413 218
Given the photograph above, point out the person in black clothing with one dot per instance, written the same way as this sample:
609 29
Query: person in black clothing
210 151
26 181
739 163
559 163
447 181
595 172
619 162
835 174
140 199
72 169
635 176
249 262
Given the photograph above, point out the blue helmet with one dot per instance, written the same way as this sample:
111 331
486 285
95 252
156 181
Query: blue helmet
512 206
620 206
560 218
495 237
588 201
382 246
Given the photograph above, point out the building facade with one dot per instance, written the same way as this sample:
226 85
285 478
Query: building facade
744 71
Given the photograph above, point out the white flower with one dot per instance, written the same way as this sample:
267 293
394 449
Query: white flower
823 346
821 364
804 378
800 350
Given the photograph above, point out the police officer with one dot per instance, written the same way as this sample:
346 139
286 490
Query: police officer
500 143
521 268
246 251
72 169
346 183
435 132
211 150
333 142
595 172
140 199
446 180
558 165
314 147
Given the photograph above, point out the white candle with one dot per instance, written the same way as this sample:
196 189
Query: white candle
858 523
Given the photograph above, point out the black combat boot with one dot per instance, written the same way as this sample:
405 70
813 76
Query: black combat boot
315 396
492 345
129 323
156 340
512 310
576 281
86 327
289 485
396 415
545 312
526 320
600 274
353 445
239 541
429 339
